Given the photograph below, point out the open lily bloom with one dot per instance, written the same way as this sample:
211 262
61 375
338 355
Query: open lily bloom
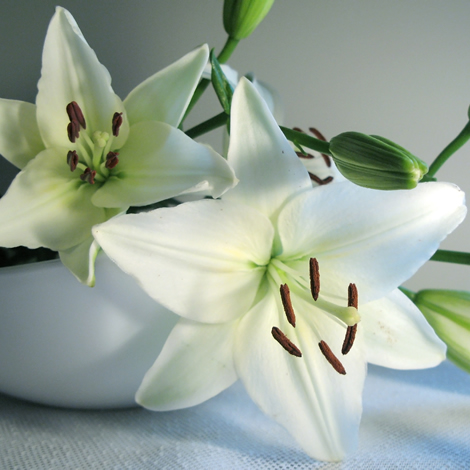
244 273
86 155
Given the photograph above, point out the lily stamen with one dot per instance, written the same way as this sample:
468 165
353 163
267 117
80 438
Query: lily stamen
287 304
111 160
307 156
73 130
353 301
116 123
320 136
349 339
72 159
88 175
320 181
285 342
314 278
74 113
331 358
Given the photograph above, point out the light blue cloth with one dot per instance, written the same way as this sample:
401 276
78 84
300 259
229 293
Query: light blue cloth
412 420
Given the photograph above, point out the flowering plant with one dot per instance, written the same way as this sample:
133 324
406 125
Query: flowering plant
286 269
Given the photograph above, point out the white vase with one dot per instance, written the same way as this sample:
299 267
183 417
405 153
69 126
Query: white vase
65 344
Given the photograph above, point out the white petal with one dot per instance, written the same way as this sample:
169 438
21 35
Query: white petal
375 239
398 336
80 260
71 72
20 140
195 364
203 260
166 95
47 205
317 405
272 98
159 162
263 160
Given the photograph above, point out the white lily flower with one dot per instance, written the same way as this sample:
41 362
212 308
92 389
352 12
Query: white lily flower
120 153
222 266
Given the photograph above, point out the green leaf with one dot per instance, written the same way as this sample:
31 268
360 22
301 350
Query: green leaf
221 85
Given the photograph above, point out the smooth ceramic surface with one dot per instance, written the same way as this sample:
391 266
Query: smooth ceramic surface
65 344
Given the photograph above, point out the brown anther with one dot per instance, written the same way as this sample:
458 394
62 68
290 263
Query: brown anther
73 130
88 176
349 339
320 181
116 123
111 160
327 159
317 133
298 129
331 358
74 113
72 159
288 345
320 136
287 304
353 301
307 156
314 278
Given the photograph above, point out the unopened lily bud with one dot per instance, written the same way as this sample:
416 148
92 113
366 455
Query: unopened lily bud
448 312
375 162
241 17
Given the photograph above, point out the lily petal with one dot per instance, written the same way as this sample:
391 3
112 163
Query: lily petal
203 260
20 140
195 364
80 260
269 170
317 405
46 206
166 95
159 162
375 239
71 72
398 336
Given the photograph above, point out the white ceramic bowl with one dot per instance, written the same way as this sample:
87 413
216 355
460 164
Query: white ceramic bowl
65 344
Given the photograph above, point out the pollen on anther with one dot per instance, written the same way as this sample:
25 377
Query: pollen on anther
116 123
353 301
307 156
111 160
320 136
74 113
72 159
88 175
288 345
331 358
320 181
73 130
349 339
314 278
287 304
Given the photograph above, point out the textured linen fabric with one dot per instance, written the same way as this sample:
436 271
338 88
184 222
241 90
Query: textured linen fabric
412 420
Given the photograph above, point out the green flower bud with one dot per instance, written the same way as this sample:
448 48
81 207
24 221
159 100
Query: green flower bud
448 312
375 162
241 17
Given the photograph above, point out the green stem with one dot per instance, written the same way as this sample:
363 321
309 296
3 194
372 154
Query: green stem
224 55
456 257
307 140
227 50
207 126
458 142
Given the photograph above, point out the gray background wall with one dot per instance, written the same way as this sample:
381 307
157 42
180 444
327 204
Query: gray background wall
395 68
